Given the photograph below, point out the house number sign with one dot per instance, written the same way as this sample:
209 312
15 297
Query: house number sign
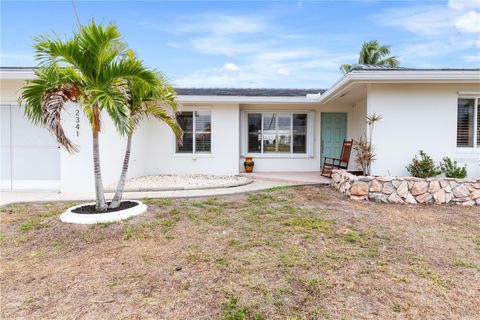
77 122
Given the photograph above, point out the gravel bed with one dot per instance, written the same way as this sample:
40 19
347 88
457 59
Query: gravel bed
183 181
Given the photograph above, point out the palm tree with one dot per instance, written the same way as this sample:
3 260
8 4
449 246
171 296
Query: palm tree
372 53
146 101
89 69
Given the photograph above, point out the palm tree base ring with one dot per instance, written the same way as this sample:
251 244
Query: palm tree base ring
92 218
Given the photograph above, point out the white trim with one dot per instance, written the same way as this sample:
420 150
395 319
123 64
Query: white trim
309 134
79 218
475 138
396 76
17 74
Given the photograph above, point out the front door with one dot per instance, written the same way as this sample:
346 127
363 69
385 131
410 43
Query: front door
333 132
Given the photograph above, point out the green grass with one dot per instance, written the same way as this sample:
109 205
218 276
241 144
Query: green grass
232 311
465 264
277 188
352 236
29 225
304 223
158 202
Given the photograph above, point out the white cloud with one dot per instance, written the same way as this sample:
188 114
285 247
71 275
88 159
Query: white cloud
422 21
283 72
226 45
469 23
438 30
229 66
463 4
218 24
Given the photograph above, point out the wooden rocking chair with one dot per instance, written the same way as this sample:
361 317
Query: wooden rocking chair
342 163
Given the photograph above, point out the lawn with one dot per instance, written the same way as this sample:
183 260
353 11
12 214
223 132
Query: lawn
294 253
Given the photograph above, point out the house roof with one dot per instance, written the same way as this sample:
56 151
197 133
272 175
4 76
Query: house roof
372 67
247 92
359 75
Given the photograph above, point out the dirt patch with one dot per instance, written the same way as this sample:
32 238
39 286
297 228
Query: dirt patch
91 209
303 253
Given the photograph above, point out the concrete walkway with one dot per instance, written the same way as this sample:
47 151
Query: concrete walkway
9 197
306 177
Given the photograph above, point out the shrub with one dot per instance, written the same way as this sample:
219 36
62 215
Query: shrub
452 170
423 167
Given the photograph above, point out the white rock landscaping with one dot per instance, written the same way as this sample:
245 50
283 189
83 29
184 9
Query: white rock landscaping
168 182
409 190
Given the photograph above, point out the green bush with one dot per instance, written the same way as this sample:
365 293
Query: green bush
452 170
423 167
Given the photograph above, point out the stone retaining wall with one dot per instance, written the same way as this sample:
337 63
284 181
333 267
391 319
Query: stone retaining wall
407 189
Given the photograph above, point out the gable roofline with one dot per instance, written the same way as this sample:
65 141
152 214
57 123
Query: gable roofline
398 75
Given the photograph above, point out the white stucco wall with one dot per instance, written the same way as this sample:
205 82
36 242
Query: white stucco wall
77 169
153 150
285 163
417 116
223 159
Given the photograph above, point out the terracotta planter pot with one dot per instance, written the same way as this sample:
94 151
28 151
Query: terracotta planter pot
248 164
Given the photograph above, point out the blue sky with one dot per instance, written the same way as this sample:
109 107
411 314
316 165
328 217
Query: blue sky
258 44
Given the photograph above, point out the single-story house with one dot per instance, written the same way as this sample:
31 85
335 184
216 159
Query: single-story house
435 110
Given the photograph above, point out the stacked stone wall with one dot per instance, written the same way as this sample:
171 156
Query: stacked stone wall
407 189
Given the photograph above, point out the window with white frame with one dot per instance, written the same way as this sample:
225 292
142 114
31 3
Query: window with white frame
468 122
197 131
272 132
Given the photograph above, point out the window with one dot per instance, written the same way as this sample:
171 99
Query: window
468 123
277 132
197 132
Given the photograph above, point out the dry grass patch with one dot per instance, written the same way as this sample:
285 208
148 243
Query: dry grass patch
284 253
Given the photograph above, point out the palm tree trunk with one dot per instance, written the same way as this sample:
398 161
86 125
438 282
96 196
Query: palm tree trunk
99 195
123 176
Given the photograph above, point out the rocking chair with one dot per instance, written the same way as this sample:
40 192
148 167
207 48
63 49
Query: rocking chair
342 163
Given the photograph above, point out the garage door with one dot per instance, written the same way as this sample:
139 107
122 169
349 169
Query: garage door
30 156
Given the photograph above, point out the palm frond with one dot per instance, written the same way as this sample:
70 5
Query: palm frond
44 99
345 68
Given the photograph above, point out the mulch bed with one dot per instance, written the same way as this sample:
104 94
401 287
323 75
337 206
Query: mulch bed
90 209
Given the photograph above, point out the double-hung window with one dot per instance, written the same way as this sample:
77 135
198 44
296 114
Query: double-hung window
197 132
468 122
277 132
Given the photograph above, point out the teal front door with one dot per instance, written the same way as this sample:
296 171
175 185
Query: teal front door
333 131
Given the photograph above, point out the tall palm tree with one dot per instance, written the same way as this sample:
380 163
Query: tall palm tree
372 53
146 101
89 69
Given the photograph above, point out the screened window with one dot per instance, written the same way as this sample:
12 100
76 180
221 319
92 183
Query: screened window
197 132
277 132
468 123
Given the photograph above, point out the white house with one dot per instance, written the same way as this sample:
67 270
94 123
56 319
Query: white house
435 110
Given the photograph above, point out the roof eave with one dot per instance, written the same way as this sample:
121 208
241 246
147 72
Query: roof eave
396 76
245 99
